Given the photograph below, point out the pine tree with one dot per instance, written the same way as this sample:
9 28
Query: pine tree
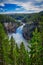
6 51
12 43
36 48
4 46
2 38
13 52
41 30
17 55
24 57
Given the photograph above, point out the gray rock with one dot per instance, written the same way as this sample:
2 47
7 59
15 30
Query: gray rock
28 29
10 27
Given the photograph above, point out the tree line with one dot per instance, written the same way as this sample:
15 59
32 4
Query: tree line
11 54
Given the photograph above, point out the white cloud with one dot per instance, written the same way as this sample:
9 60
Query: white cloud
39 0
29 6
17 9
26 5
2 4
42 5
14 12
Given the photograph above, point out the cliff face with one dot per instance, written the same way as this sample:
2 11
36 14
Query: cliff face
10 27
28 29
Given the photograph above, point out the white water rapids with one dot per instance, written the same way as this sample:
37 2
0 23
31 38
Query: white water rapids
18 37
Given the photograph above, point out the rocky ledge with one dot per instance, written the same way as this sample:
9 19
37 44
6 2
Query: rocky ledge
11 27
28 29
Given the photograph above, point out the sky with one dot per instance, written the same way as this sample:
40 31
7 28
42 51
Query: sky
20 6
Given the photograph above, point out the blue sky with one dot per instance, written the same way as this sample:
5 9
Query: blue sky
20 6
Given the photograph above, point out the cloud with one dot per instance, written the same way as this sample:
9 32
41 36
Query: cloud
27 6
2 4
19 9
14 12
14 0
39 1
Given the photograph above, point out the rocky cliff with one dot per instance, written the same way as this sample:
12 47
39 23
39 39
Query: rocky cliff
10 27
28 29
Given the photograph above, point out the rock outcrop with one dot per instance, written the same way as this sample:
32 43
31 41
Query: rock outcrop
10 27
28 29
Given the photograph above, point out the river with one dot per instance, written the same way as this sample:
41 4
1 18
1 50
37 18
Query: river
18 37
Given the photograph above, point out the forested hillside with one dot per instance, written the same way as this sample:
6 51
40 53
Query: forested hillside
11 54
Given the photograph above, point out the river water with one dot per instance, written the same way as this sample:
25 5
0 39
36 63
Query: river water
18 37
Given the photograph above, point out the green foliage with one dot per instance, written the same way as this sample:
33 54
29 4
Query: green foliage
24 57
41 30
11 54
36 48
6 18
3 42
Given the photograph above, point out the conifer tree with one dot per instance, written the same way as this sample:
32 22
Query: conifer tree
17 55
41 31
36 48
12 43
24 57
2 38
14 52
6 51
